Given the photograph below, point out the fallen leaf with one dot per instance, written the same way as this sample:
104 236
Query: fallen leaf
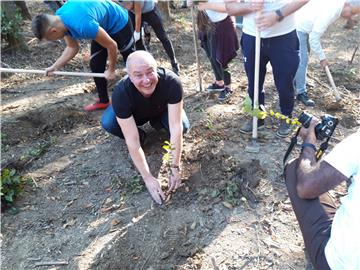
227 205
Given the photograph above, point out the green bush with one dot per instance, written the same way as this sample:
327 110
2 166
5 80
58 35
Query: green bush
12 185
11 27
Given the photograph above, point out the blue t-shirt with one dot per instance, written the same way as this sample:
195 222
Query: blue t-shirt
82 18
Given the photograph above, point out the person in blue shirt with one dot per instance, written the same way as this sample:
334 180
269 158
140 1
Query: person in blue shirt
102 21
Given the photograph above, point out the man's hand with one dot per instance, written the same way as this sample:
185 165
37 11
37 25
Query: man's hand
49 71
324 63
265 20
110 74
308 134
154 188
256 5
174 180
136 36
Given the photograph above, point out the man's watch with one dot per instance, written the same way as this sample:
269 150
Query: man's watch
279 14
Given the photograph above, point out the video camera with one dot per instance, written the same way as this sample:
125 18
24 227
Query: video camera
324 129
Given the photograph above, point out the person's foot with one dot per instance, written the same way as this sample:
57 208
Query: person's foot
283 130
175 68
96 106
225 94
247 127
215 88
303 97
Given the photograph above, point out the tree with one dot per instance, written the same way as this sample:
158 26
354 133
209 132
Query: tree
11 21
164 9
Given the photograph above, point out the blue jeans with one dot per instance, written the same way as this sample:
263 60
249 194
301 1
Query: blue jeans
283 54
110 124
300 77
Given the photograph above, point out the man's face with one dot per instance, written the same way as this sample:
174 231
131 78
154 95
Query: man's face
144 76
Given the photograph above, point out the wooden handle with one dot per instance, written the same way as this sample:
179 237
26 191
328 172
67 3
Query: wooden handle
333 86
64 73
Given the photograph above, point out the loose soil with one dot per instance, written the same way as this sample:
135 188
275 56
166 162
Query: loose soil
86 206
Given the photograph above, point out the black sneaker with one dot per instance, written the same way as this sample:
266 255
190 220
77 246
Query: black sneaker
303 97
225 94
215 88
283 130
246 128
175 68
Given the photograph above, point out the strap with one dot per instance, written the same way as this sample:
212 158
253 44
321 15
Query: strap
306 144
291 146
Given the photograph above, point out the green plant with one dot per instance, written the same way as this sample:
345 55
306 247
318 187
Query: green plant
135 185
168 157
262 114
232 193
210 122
37 151
4 146
12 185
11 27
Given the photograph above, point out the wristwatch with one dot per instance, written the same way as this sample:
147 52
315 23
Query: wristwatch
279 14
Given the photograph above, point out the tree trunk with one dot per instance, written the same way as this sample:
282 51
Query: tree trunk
14 38
164 8
24 10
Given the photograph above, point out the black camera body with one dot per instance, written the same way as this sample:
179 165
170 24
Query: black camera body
324 129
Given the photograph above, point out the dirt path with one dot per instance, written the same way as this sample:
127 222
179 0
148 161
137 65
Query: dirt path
87 207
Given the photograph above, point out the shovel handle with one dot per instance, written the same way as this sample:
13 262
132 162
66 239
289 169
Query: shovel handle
333 86
64 73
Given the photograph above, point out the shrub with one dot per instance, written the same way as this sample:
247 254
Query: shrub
11 185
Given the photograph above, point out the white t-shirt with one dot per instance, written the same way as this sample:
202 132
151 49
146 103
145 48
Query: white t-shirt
315 17
215 16
343 249
280 28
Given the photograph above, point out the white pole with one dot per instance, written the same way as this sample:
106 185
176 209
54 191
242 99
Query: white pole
333 86
256 82
64 73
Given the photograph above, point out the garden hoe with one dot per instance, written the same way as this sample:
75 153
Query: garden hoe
333 86
64 73
254 147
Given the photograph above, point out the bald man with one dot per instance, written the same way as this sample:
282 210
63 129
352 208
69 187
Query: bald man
148 94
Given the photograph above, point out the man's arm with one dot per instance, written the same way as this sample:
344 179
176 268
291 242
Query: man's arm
72 48
314 178
131 135
103 38
219 7
176 140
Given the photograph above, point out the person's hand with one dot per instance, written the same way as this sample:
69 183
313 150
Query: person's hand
308 134
49 71
136 36
174 180
154 188
110 74
201 6
265 20
324 63
256 5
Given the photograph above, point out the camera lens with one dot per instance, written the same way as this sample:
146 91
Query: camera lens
305 119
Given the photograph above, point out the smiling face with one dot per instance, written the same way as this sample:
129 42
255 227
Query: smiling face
141 68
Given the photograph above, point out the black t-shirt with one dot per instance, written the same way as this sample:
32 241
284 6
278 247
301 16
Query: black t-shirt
127 100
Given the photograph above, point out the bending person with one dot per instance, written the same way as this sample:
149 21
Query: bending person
148 94
331 234
104 22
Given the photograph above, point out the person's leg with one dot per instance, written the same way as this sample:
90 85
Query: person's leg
314 216
300 77
110 124
284 58
97 65
124 40
185 121
153 18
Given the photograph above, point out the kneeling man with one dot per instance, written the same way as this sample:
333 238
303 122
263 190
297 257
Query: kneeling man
148 94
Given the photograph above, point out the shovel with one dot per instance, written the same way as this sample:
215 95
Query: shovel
333 86
254 147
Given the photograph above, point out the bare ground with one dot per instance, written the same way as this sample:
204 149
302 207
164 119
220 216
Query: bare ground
87 207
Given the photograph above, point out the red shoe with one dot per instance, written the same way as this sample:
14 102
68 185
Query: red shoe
96 106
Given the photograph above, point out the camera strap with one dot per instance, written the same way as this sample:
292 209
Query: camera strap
291 146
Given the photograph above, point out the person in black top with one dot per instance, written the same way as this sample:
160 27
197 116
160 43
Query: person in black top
148 94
